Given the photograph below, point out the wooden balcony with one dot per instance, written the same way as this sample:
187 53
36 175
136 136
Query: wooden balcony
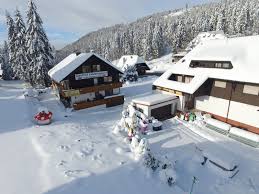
97 88
108 101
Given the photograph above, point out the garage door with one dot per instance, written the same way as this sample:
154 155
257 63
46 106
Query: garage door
162 113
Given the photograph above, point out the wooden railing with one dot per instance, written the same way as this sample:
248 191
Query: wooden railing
77 92
109 102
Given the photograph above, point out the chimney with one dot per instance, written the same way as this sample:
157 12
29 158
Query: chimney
78 53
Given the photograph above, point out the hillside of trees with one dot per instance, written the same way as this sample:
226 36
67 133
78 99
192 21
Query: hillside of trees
27 54
158 34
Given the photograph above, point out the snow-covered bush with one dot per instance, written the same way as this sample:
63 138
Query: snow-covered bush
163 167
139 147
167 174
130 74
151 162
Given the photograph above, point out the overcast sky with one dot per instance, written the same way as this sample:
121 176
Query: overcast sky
67 20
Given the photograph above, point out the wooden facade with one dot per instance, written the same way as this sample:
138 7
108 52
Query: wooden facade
91 84
231 91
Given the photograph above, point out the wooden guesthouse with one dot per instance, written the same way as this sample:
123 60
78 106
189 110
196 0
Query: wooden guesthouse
84 80
219 77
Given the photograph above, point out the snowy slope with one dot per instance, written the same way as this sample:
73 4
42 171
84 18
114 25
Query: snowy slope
78 153
161 65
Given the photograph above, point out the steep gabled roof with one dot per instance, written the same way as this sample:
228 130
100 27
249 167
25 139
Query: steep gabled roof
70 63
242 52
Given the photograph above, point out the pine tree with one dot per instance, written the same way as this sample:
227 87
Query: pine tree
11 43
180 35
5 65
4 61
20 57
241 24
39 50
157 42
220 22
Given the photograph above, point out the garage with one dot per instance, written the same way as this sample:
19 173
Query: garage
159 106
162 113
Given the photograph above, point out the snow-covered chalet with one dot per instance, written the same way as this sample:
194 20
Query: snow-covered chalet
133 60
84 80
220 77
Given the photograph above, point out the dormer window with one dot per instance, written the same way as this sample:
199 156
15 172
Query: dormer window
211 64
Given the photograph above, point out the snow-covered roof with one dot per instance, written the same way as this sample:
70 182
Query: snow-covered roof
70 63
180 54
242 52
129 60
154 99
205 36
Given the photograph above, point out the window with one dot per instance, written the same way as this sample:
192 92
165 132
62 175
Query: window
248 89
211 64
188 79
116 91
95 81
179 78
65 84
86 69
218 65
107 79
108 92
220 84
96 68
226 66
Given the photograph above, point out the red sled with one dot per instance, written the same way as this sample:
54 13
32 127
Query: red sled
43 118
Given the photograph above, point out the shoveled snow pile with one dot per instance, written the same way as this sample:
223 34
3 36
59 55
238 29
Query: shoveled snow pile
244 134
218 124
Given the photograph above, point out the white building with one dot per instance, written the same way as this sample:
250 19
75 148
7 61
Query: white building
219 77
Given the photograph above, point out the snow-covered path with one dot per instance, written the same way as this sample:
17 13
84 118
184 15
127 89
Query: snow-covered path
19 162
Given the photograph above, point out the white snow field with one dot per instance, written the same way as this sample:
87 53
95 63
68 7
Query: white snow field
78 153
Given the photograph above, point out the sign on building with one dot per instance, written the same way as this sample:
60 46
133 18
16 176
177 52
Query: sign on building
91 75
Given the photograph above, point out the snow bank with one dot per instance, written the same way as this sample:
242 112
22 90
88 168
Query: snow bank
218 124
245 134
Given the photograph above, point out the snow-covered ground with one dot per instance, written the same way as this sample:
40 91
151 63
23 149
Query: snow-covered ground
160 65
78 153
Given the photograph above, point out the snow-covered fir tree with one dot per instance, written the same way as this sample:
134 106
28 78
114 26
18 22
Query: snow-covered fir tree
39 51
20 60
157 42
11 43
134 38
5 65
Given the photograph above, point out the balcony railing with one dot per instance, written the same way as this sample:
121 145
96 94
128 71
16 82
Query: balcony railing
97 88
109 102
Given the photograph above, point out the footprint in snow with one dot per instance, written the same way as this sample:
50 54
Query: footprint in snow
61 163
77 173
64 148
